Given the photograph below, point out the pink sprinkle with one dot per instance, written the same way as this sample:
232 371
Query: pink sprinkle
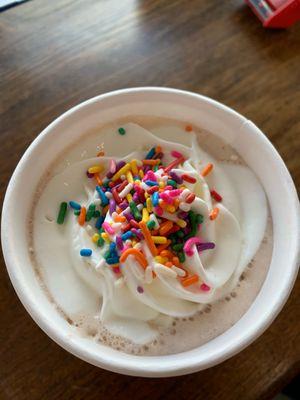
151 176
168 187
166 197
189 244
204 287
159 211
108 228
116 270
176 154
175 192
112 166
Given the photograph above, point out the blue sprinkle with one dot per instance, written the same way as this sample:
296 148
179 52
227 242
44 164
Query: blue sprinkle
112 260
150 154
127 235
151 183
112 247
74 205
103 198
86 252
99 222
155 199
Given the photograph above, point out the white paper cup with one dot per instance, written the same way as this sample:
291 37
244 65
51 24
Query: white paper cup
250 143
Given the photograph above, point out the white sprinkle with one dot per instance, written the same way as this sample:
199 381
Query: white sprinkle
140 207
116 226
126 190
109 195
184 206
179 271
159 268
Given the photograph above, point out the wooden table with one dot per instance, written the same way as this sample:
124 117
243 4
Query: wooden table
55 54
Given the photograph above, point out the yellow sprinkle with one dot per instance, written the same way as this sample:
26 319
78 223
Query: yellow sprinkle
105 236
141 173
182 187
137 182
134 167
121 172
133 242
146 195
149 204
160 259
129 197
129 177
145 215
181 223
159 239
161 184
95 169
95 237
171 209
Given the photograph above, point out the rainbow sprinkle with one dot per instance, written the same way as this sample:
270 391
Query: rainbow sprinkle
149 202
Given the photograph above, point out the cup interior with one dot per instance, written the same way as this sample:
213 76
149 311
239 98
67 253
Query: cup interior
222 121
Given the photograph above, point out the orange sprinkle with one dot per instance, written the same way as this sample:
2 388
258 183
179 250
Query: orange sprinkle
151 162
166 253
206 170
105 209
118 209
99 181
190 280
189 128
148 238
176 261
162 247
214 213
120 218
165 227
81 217
169 264
101 153
176 203
158 149
140 258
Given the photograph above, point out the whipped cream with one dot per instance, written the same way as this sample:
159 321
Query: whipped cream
136 300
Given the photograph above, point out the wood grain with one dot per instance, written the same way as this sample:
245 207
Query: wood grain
55 54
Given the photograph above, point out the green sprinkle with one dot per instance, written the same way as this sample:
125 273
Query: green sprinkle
135 211
90 212
199 219
62 213
121 131
180 234
172 183
106 184
97 214
155 168
177 247
77 212
100 242
150 224
181 257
